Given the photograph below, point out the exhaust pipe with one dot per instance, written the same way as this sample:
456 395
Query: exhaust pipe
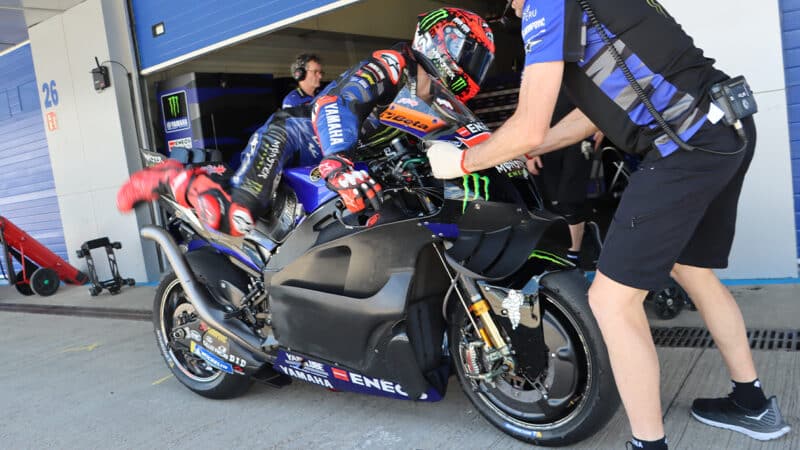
198 296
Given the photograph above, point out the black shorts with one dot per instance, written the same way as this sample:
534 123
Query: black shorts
563 179
681 208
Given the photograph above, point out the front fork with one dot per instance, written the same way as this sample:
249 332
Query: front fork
498 352
488 330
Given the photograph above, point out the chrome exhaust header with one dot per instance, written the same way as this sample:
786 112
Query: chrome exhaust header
205 307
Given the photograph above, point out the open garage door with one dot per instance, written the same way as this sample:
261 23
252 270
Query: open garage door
27 190
341 38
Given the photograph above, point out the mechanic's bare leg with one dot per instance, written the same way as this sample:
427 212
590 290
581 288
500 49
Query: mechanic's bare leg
620 313
722 316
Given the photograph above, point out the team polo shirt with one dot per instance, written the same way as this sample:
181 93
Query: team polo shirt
296 98
675 74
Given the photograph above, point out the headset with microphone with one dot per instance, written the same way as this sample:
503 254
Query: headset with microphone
299 66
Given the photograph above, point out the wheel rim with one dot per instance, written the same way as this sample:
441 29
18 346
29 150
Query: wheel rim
173 304
522 403
669 302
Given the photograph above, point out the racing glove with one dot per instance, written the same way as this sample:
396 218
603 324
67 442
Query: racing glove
447 160
353 186
192 188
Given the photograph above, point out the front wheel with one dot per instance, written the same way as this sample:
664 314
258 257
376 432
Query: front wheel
172 309
572 398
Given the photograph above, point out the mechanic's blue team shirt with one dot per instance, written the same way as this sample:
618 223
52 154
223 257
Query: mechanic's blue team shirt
673 72
296 98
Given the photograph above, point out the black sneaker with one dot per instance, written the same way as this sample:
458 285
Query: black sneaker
725 413
634 444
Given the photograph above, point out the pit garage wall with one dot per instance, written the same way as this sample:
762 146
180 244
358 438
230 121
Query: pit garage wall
93 149
27 189
747 40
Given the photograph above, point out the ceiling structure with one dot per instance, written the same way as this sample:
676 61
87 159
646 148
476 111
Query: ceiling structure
16 16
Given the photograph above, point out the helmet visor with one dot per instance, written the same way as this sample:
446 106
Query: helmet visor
475 60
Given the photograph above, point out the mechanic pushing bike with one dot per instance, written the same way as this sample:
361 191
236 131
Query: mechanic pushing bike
635 74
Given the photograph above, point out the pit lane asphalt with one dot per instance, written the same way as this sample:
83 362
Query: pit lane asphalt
82 382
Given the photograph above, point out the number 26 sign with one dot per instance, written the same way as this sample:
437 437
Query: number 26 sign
50 94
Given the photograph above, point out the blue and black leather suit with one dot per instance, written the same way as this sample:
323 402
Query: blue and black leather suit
344 116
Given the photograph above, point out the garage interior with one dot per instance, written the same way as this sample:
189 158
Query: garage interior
341 38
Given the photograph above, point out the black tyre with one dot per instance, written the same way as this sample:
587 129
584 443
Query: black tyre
23 287
94 291
45 281
582 396
190 370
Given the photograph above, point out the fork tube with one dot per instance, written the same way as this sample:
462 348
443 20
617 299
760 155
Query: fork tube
480 308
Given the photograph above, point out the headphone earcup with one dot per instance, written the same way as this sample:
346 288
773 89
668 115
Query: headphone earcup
300 73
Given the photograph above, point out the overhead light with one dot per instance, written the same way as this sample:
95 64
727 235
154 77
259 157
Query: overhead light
158 29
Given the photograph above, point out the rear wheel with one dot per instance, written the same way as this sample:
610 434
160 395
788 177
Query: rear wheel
572 398
45 281
668 302
171 309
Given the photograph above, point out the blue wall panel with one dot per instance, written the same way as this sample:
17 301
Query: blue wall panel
195 24
790 26
27 189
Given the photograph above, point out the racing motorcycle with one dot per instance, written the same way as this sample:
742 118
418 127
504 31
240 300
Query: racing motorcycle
461 276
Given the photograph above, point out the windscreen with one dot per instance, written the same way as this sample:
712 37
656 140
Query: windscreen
442 117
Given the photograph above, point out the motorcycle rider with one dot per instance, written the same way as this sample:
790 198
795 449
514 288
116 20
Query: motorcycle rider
452 45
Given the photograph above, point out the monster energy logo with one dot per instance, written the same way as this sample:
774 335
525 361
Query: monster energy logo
459 85
550 257
474 182
430 20
174 106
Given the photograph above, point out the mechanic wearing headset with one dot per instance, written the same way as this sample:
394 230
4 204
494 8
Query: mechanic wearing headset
307 71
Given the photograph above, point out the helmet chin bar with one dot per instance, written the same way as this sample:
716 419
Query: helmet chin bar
426 64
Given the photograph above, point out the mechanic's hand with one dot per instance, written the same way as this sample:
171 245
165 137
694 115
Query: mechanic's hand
534 164
143 186
352 185
447 160
598 139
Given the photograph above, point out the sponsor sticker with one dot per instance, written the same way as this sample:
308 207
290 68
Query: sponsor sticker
340 374
182 143
210 358
336 378
314 379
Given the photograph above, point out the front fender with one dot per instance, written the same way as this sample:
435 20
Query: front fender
498 253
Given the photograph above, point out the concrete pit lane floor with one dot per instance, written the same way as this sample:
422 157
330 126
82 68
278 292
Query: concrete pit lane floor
77 382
